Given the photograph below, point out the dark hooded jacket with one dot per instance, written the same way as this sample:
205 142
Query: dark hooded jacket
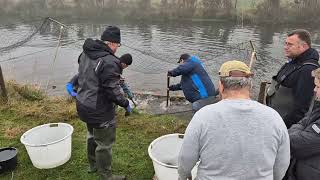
305 146
299 81
99 90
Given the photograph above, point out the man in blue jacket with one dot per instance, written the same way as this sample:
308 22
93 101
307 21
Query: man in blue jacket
195 81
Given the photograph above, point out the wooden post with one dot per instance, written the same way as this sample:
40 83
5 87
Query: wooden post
3 90
262 92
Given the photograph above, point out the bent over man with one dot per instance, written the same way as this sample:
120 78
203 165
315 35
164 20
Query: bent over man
195 81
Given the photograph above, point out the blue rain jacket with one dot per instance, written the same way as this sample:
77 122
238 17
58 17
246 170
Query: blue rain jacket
195 81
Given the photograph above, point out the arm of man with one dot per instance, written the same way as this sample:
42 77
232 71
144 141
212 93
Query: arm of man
189 153
296 128
305 142
72 86
182 69
110 77
303 92
74 80
282 160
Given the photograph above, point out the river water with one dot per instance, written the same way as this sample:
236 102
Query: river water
155 47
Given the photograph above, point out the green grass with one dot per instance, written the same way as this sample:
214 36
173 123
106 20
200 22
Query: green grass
130 152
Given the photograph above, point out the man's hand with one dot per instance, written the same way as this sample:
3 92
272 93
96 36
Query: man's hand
128 110
170 88
70 90
73 94
169 73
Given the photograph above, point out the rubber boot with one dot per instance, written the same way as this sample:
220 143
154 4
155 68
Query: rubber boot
104 138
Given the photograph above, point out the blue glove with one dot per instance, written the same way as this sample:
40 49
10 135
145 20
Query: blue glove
73 94
128 109
70 90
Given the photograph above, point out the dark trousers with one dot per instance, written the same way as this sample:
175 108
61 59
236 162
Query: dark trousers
99 150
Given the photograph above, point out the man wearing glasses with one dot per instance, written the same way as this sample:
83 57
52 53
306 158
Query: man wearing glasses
291 89
98 93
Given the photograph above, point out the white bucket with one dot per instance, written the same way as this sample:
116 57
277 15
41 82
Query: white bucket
48 145
164 152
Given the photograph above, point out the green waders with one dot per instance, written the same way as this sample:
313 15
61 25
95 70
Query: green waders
99 150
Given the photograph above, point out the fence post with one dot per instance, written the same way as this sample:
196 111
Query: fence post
3 90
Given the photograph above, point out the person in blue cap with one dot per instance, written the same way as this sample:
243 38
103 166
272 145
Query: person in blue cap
195 81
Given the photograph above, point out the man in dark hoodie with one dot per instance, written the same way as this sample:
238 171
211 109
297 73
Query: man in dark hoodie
305 140
98 94
291 89
126 60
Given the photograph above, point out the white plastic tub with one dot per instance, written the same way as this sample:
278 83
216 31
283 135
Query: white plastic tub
164 153
48 145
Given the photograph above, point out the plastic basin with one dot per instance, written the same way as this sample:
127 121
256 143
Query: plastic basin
164 152
48 145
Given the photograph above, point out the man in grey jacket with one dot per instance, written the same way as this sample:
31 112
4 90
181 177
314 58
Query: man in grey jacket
305 140
98 94
236 138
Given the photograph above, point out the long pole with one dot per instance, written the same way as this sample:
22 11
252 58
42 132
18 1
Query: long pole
253 55
54 59
168 91
3 87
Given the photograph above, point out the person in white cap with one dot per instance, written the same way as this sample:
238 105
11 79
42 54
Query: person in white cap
236 138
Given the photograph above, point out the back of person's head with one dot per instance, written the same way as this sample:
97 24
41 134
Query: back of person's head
126 59
302 34
316 73
111 34
184 57
235 75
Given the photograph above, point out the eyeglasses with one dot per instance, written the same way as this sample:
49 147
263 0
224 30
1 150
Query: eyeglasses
289 45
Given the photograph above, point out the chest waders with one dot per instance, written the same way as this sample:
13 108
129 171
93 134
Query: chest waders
281 98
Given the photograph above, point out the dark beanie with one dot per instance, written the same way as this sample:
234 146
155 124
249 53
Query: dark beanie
111 34
126 59
183 57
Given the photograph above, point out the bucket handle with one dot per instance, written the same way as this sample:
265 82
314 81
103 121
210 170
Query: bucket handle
54 125
180 136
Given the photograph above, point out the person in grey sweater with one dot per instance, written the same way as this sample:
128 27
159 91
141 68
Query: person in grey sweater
236 138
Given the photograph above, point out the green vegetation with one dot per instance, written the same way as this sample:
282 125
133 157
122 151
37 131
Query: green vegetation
249 11
28 108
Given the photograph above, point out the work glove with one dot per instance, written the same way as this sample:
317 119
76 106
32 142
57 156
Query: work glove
70 90
128 110
171 88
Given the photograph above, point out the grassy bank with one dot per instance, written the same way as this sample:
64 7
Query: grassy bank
28 108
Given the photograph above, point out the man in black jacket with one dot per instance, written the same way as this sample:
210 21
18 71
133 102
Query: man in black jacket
305 140
292 88
98 94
